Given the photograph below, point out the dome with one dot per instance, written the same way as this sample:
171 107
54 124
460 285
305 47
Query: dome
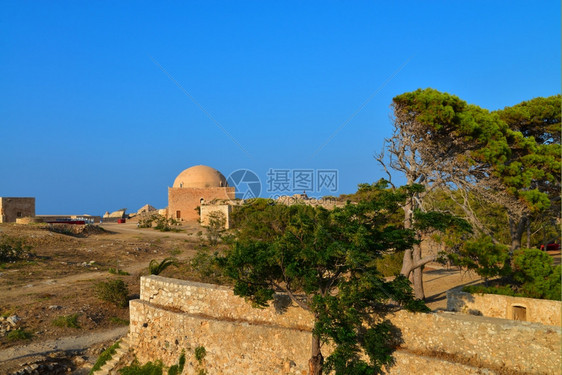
200 176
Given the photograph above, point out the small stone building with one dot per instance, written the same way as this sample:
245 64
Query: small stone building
12 208
193 187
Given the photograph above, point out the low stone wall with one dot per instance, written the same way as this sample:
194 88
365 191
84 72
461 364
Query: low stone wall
506 307
175 315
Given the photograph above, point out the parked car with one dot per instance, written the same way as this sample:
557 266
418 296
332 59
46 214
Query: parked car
121 221
551 246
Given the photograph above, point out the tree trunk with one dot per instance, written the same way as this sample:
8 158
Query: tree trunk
418 276
316 361
528 234
407 263
411 257
516 230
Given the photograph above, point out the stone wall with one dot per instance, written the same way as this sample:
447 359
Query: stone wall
174 315
224 209
186 200
506 307
12 208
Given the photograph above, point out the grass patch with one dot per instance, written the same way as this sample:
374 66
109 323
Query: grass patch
104 357
19 334
68 321
150 368
118 321
117 271
44 296
175 251
113 291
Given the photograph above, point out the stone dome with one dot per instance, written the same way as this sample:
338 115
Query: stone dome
200 176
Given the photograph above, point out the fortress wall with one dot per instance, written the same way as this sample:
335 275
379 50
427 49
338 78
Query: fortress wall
175 315
536 310
219 302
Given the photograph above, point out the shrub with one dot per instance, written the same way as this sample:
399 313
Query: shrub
200 353
164 224
205 265
19 334
533 275
70 321
156 268
178 369
113 291
533 269
483 256
149 368
13 248
104 357
216 225
117 271
147 221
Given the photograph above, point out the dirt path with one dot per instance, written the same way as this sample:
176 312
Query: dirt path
129 228
438 280
67 343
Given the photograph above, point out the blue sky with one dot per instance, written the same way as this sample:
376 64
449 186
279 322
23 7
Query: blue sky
90 122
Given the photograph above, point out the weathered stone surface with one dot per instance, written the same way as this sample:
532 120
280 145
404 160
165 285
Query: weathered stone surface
175 315
146 208
12 208
498 306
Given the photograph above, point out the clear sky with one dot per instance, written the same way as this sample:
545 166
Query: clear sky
90 121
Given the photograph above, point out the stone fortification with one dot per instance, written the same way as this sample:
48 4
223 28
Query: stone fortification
506 307
174 315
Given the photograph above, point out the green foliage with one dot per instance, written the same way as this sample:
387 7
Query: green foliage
156 268
483 256
150 368
105 356
181 362
205 265
146 222
117 271
19 334
118 321
538 118
510 157
69 321
13 249
440 221
164 224
113 291
390 264
200 353
326 262
533 276
215 227
533 269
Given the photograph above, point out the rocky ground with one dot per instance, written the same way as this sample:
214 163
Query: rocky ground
58 281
